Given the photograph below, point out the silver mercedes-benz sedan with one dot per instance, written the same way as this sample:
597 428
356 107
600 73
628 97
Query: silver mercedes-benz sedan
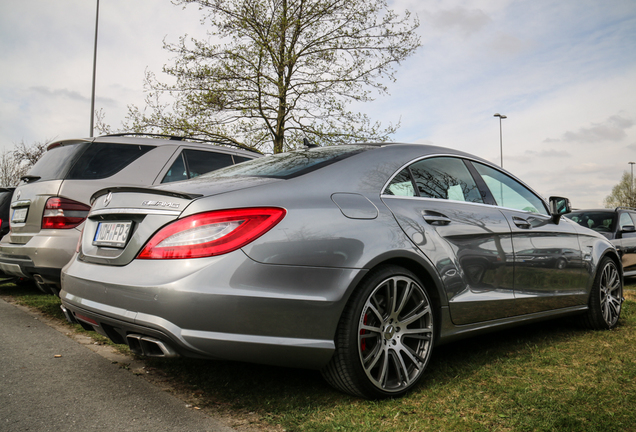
356 260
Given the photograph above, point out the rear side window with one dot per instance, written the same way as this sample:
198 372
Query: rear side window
201 162
102 160
445 178
55 163
193 163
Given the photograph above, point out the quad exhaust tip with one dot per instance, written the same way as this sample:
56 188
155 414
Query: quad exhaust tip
149 346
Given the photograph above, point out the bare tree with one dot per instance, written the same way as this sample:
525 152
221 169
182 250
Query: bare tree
286 70
16 163
622 194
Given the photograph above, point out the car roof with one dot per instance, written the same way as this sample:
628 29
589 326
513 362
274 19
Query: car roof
157 142
604 210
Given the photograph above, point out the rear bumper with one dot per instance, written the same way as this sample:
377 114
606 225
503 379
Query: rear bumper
226 307
45 254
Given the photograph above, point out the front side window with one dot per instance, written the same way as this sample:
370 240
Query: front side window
445 178
509 192
626 220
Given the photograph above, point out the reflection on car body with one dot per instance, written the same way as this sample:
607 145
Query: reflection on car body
356 260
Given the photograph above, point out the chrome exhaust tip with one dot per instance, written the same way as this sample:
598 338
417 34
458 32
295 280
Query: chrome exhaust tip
149 346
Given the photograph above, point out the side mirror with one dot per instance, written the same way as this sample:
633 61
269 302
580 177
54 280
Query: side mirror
628 229
558 207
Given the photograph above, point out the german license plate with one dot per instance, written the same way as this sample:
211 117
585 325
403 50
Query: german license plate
113 234
19 215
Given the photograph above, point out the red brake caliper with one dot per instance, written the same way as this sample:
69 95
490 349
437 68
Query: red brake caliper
363 342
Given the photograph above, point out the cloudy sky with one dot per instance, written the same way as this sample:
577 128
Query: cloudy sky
564 72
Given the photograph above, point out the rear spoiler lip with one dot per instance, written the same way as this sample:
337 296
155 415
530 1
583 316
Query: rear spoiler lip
147 190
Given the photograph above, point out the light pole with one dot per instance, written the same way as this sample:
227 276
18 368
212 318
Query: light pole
94 71
501 116
631 186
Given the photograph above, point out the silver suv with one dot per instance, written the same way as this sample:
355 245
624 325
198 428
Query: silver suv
50 205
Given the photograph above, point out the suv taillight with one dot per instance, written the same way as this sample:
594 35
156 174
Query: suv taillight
211 233
63 213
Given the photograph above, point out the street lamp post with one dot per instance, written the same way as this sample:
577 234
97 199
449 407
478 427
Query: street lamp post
501 116
94 71
631 186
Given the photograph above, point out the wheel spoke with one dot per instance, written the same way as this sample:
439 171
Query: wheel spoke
375 311
413 356
418 333
405 298
402 371
375 356
415 316
371 329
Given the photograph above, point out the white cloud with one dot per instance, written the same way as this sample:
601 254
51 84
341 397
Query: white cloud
612 129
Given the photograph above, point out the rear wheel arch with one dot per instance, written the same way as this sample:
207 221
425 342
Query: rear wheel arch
416 264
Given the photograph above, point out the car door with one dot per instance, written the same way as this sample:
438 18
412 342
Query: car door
626 242
547 256
438 204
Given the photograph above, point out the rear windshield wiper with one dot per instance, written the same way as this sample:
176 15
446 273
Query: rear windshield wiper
30 178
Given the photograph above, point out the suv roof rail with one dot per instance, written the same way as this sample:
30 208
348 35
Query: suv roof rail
184 138
625 208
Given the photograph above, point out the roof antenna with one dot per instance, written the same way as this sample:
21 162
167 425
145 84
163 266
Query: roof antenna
309 145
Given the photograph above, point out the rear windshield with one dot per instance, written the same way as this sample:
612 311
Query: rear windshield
101 160
292 164
55 163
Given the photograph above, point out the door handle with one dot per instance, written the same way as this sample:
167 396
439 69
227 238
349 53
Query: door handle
436 218
521 223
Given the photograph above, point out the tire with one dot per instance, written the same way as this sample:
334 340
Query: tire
385 336
606 297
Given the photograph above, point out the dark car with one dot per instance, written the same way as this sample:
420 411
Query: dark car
356 260
618 225
5 210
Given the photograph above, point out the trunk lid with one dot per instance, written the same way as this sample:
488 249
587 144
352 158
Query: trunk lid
121 223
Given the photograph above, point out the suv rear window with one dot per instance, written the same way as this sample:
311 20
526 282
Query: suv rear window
101 160
55 163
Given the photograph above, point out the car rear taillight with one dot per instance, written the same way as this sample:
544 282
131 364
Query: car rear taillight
63 213
211 233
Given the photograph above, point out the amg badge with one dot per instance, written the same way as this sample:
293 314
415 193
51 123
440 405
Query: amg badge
160 204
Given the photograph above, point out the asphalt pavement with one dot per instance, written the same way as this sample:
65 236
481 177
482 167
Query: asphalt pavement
50 382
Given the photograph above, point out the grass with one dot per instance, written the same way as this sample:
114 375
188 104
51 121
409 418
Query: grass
552 376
